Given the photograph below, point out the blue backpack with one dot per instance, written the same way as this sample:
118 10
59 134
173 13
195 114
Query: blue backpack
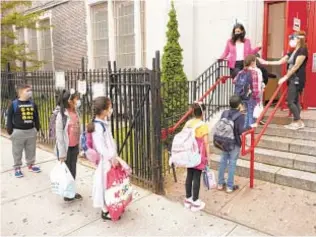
243 86
86 138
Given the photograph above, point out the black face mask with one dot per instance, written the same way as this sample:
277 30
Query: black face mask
239 36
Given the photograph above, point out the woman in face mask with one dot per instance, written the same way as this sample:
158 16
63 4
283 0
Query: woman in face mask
237 49
295 76
68 133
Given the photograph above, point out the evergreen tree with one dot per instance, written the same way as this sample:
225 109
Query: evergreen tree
12 15
175 89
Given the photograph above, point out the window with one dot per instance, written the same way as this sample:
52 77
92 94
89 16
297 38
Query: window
100 35
45 45
125 37
32 42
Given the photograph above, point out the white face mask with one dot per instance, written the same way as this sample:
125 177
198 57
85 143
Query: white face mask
110 112
78 104
293 43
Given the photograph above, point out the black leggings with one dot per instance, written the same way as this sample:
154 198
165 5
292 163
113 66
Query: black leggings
193 177
238 67
71 162
293 101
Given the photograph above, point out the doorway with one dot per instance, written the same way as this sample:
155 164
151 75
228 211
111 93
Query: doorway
276 13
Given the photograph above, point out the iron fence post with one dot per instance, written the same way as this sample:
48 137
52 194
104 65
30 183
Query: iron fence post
156 111
83 96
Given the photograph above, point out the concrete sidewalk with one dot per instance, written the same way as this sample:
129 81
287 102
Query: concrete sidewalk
29 208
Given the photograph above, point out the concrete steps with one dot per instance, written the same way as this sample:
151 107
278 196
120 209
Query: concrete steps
280 159
308 133
297 146
283 156
274 174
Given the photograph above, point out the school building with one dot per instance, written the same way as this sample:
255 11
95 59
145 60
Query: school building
131 31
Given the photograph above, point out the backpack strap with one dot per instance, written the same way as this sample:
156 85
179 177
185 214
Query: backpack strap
15 105
102 124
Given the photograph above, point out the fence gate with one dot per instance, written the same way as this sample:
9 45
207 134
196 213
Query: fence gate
135 95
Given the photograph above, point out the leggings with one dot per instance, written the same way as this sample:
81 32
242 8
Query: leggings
293 100
193 178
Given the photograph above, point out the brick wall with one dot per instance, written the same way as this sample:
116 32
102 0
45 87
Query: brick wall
69 35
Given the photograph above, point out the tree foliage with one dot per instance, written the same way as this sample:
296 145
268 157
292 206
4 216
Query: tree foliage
175 87
11 52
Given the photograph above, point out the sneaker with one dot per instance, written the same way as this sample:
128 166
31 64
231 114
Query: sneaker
197 205
230 190
34 169
69 199
78 196
18 173
293 126
188 202
301 125
221 186
106 216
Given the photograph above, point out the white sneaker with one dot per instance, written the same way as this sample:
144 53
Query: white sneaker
197 205
220 187
188 202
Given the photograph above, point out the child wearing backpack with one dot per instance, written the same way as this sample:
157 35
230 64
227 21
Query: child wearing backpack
193 179
229 142
104 144
67 128
23 125
247 86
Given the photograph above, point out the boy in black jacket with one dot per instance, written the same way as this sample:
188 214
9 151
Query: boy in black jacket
23 125
229 159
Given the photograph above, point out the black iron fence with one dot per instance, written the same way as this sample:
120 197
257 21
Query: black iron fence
199 89
143 107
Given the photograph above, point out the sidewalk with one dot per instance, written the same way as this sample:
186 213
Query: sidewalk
29 208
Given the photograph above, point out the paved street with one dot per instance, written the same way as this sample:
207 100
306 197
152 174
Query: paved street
29 208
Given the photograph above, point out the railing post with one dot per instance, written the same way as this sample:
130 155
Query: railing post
252 158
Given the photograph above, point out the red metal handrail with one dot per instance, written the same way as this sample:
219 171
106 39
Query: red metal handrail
254 141
170 130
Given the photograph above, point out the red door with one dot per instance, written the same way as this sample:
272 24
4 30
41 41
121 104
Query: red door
310 89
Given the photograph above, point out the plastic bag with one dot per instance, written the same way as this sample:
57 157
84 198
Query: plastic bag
258 110
62 182
118 192
209 179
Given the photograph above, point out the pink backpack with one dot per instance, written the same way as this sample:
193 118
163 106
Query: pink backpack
87 146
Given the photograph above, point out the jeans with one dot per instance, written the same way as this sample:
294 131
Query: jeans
193 178
230 159
250 107
293 100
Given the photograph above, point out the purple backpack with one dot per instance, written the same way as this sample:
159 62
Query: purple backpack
52 123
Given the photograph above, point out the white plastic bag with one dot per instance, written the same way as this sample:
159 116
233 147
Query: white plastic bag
258 110
62 182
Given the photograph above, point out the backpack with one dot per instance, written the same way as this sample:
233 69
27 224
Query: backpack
224 137
86 143
52 123
185 151
15 104
243 85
